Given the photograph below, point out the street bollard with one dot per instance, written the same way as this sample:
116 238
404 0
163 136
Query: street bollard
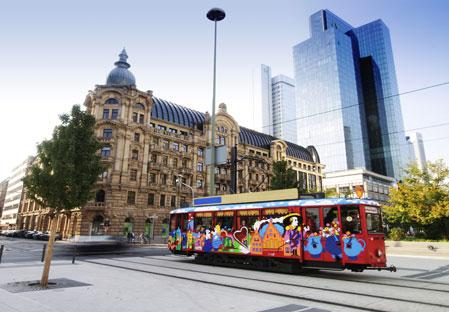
74 255
1 252
43 252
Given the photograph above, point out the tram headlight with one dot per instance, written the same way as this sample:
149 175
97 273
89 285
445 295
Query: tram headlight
379 253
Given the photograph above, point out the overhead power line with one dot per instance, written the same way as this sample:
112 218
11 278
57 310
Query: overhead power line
385 134
357 104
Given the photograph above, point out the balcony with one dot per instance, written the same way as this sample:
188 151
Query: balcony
185 189
96 206
106 159
105 139
185 170
168 134
156 148
223 177
154 165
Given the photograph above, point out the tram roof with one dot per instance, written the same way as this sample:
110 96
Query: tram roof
282 203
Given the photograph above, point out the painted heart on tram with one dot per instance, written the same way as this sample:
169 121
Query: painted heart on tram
241 235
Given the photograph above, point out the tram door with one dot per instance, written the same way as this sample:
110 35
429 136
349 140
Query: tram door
313 245
354 242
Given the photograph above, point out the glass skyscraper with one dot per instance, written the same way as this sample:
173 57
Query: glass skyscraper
278 105
345 96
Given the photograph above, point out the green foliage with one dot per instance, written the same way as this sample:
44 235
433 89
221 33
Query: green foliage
422 200
67 166
331 192
284 177
397 234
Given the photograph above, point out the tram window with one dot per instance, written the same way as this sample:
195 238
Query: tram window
175 221
373 220
203 222
247 221
313 219
247 218
350 217
330 215
274 213
225 219
185 221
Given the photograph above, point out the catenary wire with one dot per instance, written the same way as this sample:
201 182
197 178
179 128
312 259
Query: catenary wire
358 104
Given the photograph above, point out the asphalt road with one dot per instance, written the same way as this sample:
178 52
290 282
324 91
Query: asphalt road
17 250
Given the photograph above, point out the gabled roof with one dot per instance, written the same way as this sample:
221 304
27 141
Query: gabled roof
186 117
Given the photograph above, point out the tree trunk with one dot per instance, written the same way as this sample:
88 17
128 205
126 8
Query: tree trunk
49 254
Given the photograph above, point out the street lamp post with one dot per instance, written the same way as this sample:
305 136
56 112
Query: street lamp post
214 15
179 182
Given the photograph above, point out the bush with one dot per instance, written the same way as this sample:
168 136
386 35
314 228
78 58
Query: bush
397 234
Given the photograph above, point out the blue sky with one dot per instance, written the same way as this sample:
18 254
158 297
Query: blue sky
53 52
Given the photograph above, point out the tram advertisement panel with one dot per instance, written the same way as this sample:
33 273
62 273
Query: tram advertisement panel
260 232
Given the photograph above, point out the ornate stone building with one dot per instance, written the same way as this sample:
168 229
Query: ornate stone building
148 144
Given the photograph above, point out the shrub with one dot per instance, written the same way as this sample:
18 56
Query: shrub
397 234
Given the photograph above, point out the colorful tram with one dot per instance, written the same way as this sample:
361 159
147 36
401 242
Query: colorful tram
270 230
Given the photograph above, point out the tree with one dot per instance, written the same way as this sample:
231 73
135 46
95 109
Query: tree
284 177
422 200
65 171
331 192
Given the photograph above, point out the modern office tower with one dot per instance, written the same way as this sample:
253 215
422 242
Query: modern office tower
14 194
278 105
345 95
416 145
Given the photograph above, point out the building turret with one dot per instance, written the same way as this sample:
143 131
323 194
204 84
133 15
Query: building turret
120 75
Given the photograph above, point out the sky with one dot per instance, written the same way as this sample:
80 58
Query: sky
53 52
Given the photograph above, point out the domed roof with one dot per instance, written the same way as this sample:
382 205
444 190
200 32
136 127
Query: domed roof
120 75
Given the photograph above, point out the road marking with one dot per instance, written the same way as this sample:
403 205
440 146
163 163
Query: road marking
422 257
438 272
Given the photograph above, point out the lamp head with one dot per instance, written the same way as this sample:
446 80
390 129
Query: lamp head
216 14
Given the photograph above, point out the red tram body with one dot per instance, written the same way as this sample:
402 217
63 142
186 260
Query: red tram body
301 233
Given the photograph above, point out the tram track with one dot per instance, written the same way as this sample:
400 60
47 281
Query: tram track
346 279
265 283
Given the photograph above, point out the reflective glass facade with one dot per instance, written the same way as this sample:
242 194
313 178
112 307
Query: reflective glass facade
344 77
374 41
278 105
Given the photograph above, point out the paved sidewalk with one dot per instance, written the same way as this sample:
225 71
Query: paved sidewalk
418 249
116 290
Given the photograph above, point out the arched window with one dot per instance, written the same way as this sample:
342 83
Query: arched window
112 101
139 106
100 196
97 224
